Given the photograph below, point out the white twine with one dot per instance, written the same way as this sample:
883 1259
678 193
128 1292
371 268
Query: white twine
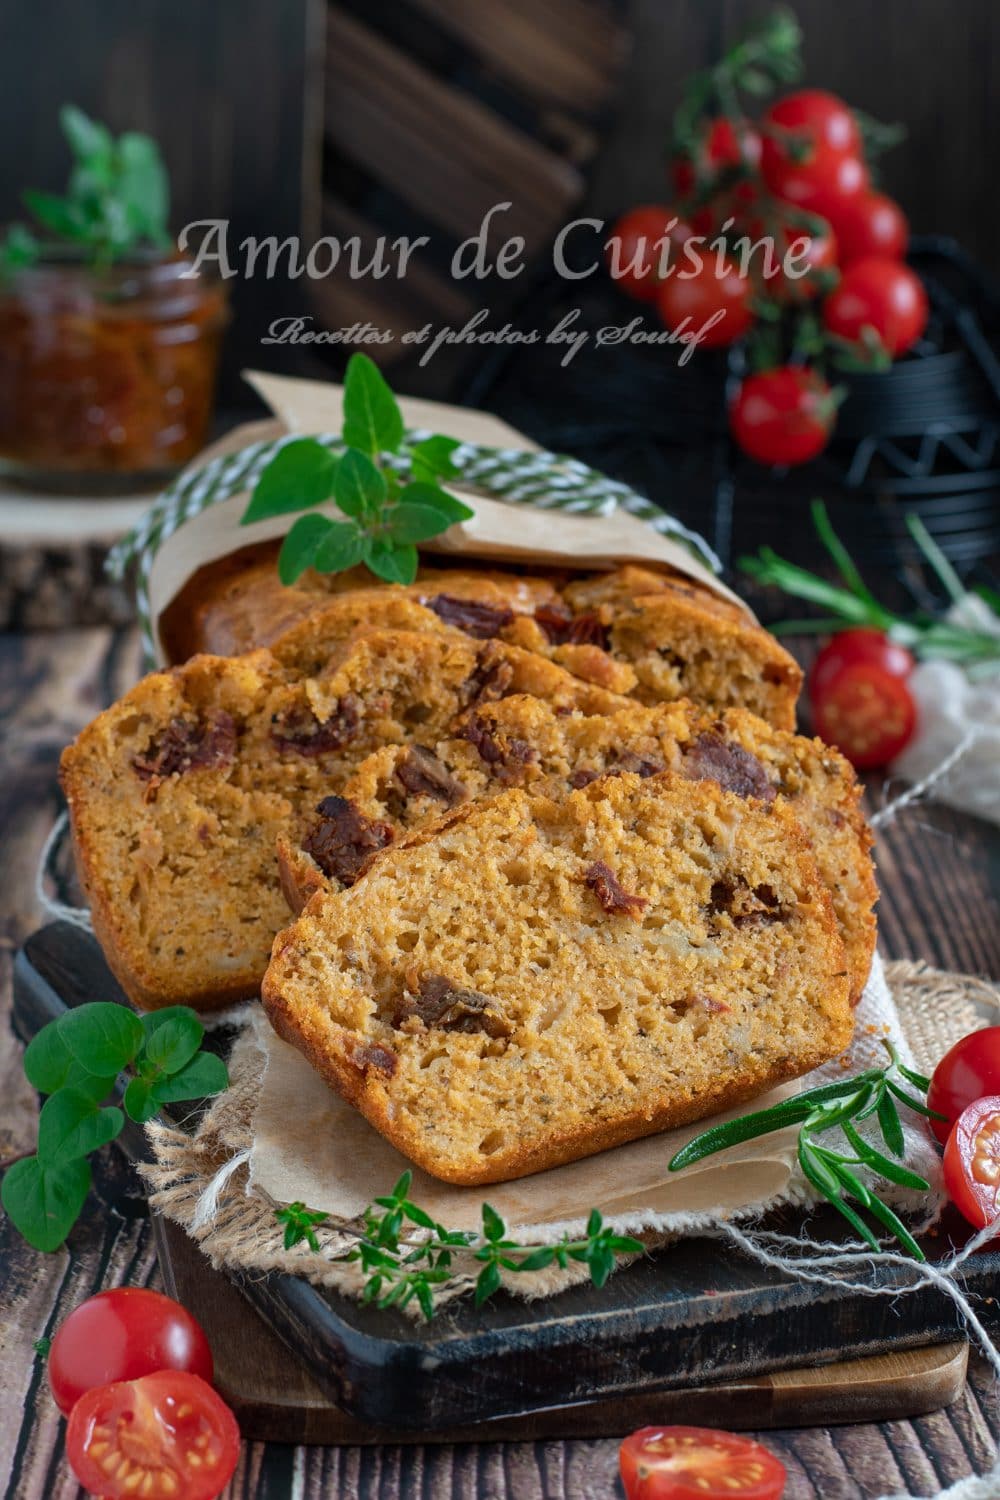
208 1204
78 916
928 783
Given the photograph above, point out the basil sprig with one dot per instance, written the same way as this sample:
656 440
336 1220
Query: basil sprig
117 198
831 1172
382 518
76 1061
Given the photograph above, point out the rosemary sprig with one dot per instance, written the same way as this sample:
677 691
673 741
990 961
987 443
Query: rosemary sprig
405 1254
844 1104
853 603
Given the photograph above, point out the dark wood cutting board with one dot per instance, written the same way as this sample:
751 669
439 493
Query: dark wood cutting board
691 1315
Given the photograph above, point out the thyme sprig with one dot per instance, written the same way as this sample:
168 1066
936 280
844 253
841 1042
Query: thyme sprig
846 1104
405 1254
853 603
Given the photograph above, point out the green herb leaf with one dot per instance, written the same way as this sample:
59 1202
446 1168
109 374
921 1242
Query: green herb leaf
394 564
56 214
300 546
373 421
432 497
143 187
488 1282
173 1036
359 487
42 1347
139 1101
494 1228
89 141
44 1201
103 1037
202 1077
415 523
47 1060
890 1123
431 459
342 547
20 248
299 476
71 1125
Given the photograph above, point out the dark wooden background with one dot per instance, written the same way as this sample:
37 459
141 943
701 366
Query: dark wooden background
234 92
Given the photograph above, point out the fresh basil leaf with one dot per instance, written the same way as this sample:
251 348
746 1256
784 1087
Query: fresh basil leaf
102 1036
174 1041
299 548
71 1125
140 1103
359 488
415 523
342 547
89 141
391 563
203 1076
56 214
430 459
44 1201
299 476
373 421
47 1060
143 186
435 498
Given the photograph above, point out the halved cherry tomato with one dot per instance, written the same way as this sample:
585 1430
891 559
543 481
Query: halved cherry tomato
972 1162
641 243
970 1070
783 416
170 1429
866 712
818 185
870 224
698 1463
807 121
860 644
120 1335
722 143
689 298
882 295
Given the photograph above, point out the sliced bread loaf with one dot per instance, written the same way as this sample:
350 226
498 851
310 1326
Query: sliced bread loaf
528 981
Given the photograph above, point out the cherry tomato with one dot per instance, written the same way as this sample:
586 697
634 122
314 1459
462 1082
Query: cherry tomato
866 712
782 416
698 1463
639 242
870 224
171 1429
818 185
968 1071
972 1162
851 646
120 1335
723 143
880 294
691 296
811 250
811 118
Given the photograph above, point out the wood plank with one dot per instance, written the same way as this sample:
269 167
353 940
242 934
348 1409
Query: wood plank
559 51
436 147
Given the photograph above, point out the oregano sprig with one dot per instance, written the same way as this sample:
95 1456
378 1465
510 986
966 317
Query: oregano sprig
382 516
77 1061
405 1254
844 1104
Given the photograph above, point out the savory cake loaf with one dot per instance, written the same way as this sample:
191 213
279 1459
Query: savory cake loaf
523 742
179 792
652 635
529 981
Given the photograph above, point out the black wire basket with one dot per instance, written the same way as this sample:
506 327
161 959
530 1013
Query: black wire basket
922 437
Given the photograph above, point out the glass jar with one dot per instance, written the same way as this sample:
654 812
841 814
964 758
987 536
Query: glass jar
107 374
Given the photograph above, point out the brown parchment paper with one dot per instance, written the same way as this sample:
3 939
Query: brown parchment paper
498 532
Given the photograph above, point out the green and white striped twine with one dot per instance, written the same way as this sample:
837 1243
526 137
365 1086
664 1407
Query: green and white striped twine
547 481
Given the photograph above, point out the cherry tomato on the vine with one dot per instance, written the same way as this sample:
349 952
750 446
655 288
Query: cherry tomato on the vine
818 185
860 644
722 144
870 224
171 1430
691 297
879 294
698 1463
867 712
970 1070
641 242
119 1335
807 251
783 416
807 121
972 1162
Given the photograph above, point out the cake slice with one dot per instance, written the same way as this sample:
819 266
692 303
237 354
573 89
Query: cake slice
523 742
179 792
530 981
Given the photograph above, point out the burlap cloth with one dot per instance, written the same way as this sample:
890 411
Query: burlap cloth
203 1180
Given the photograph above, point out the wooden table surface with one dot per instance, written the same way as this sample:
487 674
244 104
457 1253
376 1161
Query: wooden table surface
940 877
